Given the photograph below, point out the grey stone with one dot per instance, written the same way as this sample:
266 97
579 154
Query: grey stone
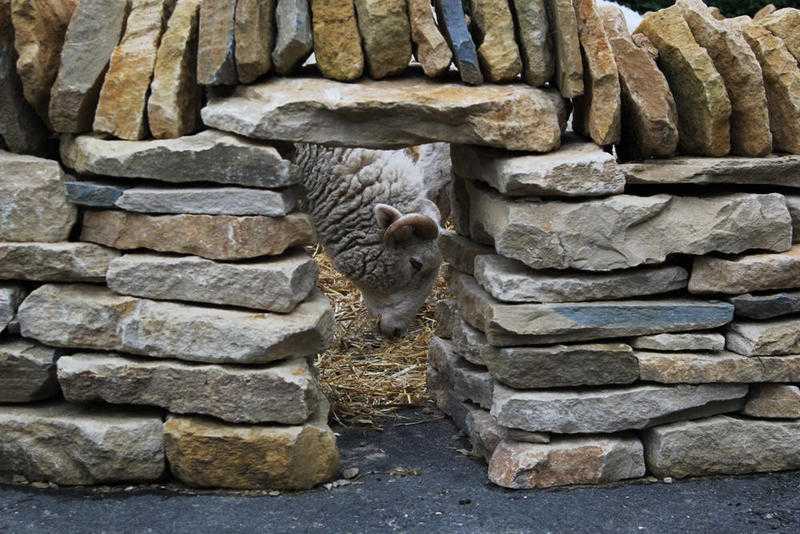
773 401
285 393
541 324
55 262
783 170
722 446
568 57
612 410
562 365
766 306
277 285
533 30
720 367
577 169
793 203
90 317
208 156
467 382
626 231
27 371
209 201
469 342
771 338
755 272
295 40
391 113
33 206
702 341
11 296
70 445
446 315
453 24
94 194
216 62
460 252
508 280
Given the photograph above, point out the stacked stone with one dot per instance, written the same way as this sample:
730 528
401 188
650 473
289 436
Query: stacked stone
601 329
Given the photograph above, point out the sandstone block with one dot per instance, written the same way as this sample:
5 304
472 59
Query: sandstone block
55 262
337 44
386 36
208 156
460 252
498 51
216 48
768 9
771 338
773 401
783 23
70 445
254 36
430 47
11 296
567 46
774 171
294 40
91 317
535 46
27 371
392 113
612 410
756 272
711 342
766 306
453 23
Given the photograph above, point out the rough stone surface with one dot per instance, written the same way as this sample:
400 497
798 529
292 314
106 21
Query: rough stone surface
772 338
598 112
722 446
538 324
173 108
122 107
454 26
392 113
208 201
725 367
498 50
511 281
27 371
612 410
704 109
254 36
468 342
33 206
562 365
460 252
94 194
217 237
578 169
649 124
208 454
208 156
711 342
774 171
533 37
277 285
766 306
773 401
285 393
294 40
55 262
626 231
446 314
337 45
756 272
566 461
567 47
92 34
793 203
465 381
768 9
70 445
11 296
216 60
784 23
92 317
430 47
386 36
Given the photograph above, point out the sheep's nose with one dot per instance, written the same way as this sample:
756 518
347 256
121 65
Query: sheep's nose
391 330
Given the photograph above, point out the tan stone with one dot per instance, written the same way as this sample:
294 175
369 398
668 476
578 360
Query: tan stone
123 99
768 9
337 44
741 72
254 37
220 237
649 118
715 13
216 64
704 108
533 32
778 401
785 23
205 453
498 51
564 31
641 40
39 29
597 113
173 109
430 47
386 34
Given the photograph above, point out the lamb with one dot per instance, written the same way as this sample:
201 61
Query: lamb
374 221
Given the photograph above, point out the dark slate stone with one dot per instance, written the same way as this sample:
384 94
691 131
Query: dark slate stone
454 26
94 194
767 306
295 40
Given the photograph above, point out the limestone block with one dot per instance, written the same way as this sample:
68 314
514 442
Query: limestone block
465 381
337 44
567 47
453 23
216 48
27 371
498 50
469 342
755 272
55 262
535 46
711 342
11 296
254 36
460 252
430 47
294 40
386 36
721 367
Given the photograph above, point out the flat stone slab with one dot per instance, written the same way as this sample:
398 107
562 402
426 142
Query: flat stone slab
277 285
766 306
722 445
577 169
11 296
91 317
71 445
566 461
771 338
27 371
460 252
391 113
508 280
206 453
771 170
286 393
208 156
711 342
721 367
755 272
468 342
626 231
55 262
773 401
539 324
612 410
466 381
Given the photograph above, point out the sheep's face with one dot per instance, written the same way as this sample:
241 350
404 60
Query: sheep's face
411 258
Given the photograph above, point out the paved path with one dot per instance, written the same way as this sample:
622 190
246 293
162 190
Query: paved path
449 494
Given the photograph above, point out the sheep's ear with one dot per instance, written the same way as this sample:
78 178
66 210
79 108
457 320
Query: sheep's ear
385 215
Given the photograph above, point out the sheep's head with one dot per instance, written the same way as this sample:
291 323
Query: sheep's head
411 261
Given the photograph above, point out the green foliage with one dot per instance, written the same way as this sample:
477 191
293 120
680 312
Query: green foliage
729 8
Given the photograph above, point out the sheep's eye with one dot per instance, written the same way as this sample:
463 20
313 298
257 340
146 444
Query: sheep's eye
416 264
